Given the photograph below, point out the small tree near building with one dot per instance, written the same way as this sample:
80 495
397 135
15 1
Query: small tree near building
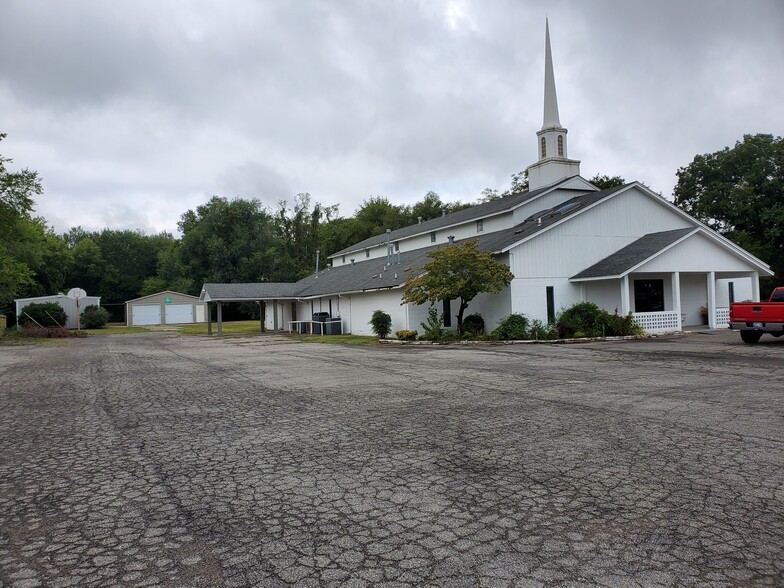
458 271
381 323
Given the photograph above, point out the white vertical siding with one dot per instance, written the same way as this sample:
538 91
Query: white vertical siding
594 234
357 319
694 294
606 294
529 296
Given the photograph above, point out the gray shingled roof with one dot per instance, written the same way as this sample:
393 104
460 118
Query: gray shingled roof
371 275
633 254
498 241
260 291
475 212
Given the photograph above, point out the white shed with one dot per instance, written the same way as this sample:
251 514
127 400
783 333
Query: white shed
165 308
73 306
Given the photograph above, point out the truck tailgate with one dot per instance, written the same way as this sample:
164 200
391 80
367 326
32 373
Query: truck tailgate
768 312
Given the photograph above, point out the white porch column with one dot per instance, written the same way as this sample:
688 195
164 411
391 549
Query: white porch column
625 304
711 300
676 297
275 315
755 294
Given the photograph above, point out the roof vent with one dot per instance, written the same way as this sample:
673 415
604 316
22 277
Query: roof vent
419 218
443 213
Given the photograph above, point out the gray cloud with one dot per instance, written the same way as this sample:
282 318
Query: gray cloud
134 112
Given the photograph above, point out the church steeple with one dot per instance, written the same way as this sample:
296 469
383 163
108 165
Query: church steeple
553 164
551 119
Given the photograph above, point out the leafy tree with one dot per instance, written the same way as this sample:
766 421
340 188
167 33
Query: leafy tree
519 183
130 257
457 271
739 192
299 230
377 215
20 233
89 270
227 241
604 182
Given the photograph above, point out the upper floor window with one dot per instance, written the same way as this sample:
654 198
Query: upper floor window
544 147
560 146
480 226
433 237
344 259
397 245
367 252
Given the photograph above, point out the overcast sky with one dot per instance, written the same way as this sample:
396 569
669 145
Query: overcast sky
135 111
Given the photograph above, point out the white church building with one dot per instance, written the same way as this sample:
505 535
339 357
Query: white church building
625 248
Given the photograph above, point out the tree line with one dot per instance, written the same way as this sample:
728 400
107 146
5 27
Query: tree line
738 191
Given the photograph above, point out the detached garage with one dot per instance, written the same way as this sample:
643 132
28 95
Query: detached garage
165 308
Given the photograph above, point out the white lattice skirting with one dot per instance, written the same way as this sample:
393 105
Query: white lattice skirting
722 317
656 322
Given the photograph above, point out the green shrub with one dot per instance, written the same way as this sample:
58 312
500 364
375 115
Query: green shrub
433 327
585 319
406 335
622 326
540 331
474 325
94 317
46 314
381 323
512 328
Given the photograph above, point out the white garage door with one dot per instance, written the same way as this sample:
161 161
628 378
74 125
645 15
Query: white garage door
177 314
146 314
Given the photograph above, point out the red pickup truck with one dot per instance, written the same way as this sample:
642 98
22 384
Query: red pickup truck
753 319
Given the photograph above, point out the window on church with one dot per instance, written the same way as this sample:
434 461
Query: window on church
480 226
433 237
560 146
544 148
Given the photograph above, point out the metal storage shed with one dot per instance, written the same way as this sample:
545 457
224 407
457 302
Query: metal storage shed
165 308
73 307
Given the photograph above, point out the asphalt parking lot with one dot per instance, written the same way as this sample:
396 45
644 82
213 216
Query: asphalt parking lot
162 460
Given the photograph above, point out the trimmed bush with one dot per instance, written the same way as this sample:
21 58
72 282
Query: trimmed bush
46 314
94 317
474 325
512 328
381 323
406 335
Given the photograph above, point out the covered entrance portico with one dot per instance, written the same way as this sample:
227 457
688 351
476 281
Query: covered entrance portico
675 278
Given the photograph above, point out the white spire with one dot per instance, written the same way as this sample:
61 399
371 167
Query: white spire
551 119
554 163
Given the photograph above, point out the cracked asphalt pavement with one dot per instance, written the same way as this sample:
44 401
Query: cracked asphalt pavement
163 460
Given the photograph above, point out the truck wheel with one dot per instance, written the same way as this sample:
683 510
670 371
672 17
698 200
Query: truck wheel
750 337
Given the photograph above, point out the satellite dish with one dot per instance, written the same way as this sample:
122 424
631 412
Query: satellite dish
76 293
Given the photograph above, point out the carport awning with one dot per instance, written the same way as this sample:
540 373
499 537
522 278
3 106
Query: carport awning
248 292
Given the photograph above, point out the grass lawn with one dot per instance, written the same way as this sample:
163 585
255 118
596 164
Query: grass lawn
116 329
11 337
